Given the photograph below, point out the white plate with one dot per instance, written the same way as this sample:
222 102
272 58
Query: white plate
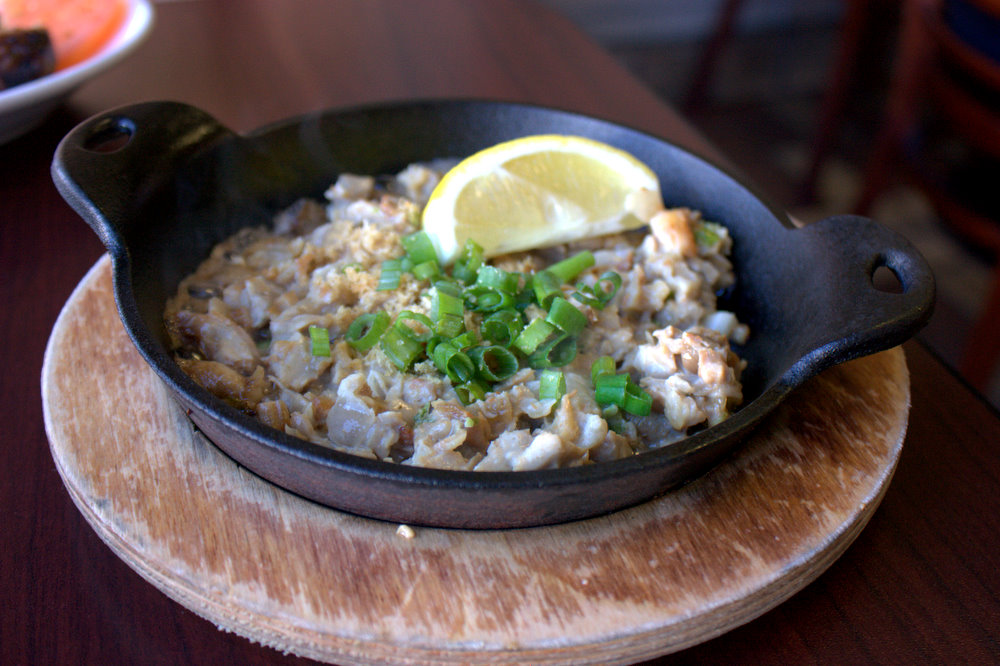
25 106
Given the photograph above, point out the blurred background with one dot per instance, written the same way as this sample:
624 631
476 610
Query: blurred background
758 79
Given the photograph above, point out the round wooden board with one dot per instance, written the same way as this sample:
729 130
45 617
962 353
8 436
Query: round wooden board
289 573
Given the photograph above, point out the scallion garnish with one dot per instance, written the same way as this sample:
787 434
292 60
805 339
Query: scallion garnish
502 327
556 352
447 309
493 362
468 263
319 341
424 329
419 248
601 293
423 414
392 271
619 390
366 330
469 392
564 316
475 359
637 401
613 415
551 384
605 365
610 389
495 278
525 294
481 298
465 340
401 348
705 236
533 336
570 267
453 362
546 286
607 286
427 270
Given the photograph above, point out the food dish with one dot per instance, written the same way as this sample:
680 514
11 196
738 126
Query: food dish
25 106
160 203
309 326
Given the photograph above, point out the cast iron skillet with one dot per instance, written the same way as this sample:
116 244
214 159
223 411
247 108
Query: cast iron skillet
161 183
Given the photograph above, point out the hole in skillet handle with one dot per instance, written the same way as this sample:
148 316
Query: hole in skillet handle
885 279
865 289
110 135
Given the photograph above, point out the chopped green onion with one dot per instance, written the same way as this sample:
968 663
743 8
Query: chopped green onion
431 344
423 320
585 295
607 286
447 309
601 293
546 287
354 265
613 415
495 278
487 299
525 295
493 362
465 340
705 235
319 339
468 393
401 348
637 401
392 271
546 343
551 384
468 263
564 316
610 389
570 267
555 353
423 414
428 270
621 391
502 327
605 365
419 248
562 352
450 360
366 330
533 336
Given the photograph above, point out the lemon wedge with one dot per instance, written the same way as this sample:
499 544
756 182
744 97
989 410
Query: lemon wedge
539 191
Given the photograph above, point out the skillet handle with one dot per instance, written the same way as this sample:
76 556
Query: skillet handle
107 163
848 314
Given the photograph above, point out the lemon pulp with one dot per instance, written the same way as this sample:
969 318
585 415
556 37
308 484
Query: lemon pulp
539 191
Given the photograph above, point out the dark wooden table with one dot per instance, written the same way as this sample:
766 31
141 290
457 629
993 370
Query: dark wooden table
920 585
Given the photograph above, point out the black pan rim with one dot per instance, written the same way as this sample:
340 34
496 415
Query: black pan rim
745 417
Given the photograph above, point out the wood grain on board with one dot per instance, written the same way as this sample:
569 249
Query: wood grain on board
286 572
